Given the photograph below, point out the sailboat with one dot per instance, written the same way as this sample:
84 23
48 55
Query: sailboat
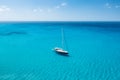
61 50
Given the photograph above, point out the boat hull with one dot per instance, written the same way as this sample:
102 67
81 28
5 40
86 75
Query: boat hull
61 51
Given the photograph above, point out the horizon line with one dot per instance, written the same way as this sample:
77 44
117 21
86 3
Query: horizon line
58 21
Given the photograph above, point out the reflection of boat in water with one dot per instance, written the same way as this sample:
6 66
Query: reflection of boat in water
61 50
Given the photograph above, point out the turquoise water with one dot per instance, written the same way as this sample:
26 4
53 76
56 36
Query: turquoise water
26 51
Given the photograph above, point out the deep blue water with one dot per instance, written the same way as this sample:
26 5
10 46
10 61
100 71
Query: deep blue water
26 51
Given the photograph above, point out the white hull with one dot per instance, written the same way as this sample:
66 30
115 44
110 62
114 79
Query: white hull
61 51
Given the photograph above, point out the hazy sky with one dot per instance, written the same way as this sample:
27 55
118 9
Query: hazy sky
60 10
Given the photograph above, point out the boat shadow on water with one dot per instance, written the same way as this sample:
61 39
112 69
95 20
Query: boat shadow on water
65 55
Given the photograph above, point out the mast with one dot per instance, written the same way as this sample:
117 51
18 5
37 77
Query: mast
64 42
62 37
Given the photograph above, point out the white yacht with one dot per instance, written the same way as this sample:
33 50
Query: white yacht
61 50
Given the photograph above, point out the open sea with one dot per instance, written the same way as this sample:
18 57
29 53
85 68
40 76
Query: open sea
26 51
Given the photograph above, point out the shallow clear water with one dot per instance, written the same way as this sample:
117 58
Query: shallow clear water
26 51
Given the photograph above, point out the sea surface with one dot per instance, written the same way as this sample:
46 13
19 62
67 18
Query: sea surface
26 51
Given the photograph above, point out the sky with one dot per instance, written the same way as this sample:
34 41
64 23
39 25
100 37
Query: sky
59 10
